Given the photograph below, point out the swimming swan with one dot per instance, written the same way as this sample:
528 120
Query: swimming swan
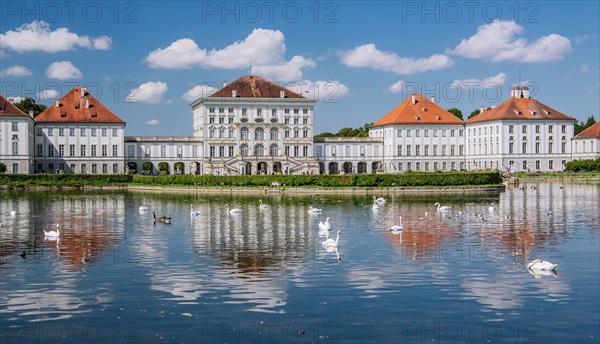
442 208
397 229
330 243
234 210
53 234
314 211
262 206
541 265
325 225
380 200
194 212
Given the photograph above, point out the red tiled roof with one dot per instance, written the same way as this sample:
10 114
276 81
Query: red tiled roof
9 109
591 132
72 109
254 87
423 111
520 109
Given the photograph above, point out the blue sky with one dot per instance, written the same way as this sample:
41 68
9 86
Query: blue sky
147 60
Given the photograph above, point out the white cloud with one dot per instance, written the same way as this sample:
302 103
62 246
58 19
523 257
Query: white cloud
36 36
498 41
150 92
198 91
264 49
492 81
325 91
584 68
153 121
16 99
49 94
16 71
368 55
63 70
396 87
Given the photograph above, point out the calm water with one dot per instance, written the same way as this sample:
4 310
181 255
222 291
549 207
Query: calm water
263 276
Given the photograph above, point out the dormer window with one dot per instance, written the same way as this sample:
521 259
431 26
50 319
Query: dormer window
517 112
438 117
532 112
424 109
94 115
63 114
418 118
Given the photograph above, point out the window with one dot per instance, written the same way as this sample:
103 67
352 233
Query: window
221 120
286 120
452 133
93 132
244 133
194 151
61 150
435 149
211 110
61 132
550 147
163 151
296 132
83 168
295 111
524 129
452 149
115 132
146 152
259 150
537 129
221 110
347 150
551 164
222 132
408 149
259 112
50 132
93 150
259 134
286 111
511 129
435 133
274 150
443 151
408 132
399 131
212 151
115 150
50 167
104 132
231 133
524 148
564 147
305 111
444 133
82 151
82 132
230 110
94 168
38 131
304 120
362 150
104 168
296 120
296 151
230 151
211 120
537 164
230 120
105 148
286 134
211 132
15 148
305 133
244 150
244 111
461 132
71 150
417 133
15 126
304 150
417 150
511 147
71 131
550 129
221 151
274 134
563 129
426 132
399 150
537 147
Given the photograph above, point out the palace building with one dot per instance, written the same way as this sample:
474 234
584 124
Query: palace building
255 126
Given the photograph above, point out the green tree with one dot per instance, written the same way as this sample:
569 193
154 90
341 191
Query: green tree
456 112
325 134
580 126
476 112
2 167
29 104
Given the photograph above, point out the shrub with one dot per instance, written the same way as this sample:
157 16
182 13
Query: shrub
147 166
2 167
583 165
163 167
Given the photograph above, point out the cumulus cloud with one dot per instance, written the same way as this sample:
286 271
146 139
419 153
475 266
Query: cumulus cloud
198 91
150 92
16 100
153 121
492 81
396 87
37 36
264 49
48 94
16 71
325 91
499 41
367 55
63 70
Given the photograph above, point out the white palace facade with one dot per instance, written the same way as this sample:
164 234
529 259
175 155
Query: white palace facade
255 126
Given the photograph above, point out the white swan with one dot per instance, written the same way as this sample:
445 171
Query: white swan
491 208
234 210
194 212
331 244
262 206
541 265
380 200
442 208
13 213
53 234
325 225
539 273
314 211
376 206
143 209
397 229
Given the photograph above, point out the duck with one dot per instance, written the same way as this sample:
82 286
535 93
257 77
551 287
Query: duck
442 208
314 211
143 209
491 208
541 265
23 255
162 219
53 234
234 210
13 213
397 229
379 200
262 206
325 225
194 212
331 244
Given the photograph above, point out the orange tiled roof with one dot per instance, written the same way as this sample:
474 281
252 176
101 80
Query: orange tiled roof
9 109
72 109
254 87
520 109
591 132
424 111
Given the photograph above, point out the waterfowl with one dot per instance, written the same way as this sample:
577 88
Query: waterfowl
23 255
379 200
234 210
161 219
262 206
491 208
53 234
541 265
397 229
330 243
313 211
194 212
143 209
325 225
442 208
376 206
13 213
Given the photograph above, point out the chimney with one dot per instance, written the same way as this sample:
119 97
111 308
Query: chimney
433 99
224 83
414 99
57 103
87 103
234 93
83 90
481 109
31 113
282 94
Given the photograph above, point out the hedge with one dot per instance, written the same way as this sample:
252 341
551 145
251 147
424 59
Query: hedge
583 165
64 179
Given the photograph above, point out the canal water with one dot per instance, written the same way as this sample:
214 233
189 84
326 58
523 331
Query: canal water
263 276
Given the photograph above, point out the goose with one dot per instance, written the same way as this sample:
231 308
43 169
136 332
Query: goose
13 213
143 209
234 210
325 225
262 206
193 212
331 244
442 208
397 229
379 200
314 211
491 208
541 265
53 234
162 219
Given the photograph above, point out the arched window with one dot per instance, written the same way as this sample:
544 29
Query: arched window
244 133
274 134
259 150
259 134
274 150
244 150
